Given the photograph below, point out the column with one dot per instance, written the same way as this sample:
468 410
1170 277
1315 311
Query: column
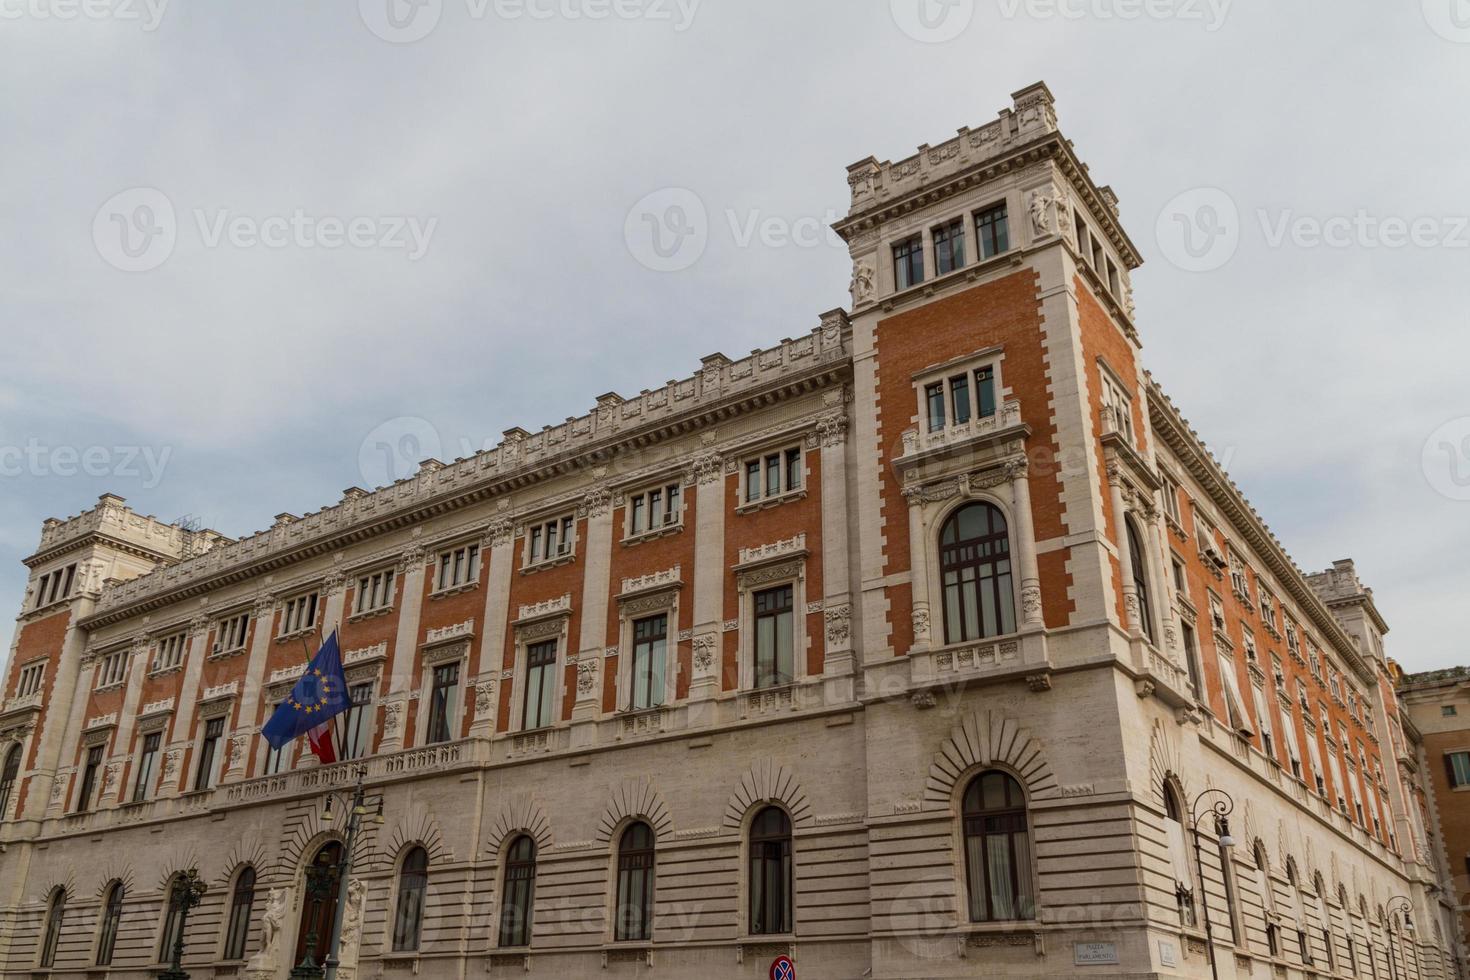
248 719
122 748
182 733
76 721
919 571
597 557
836 587
1025 538
707 476
1134 625
334 593
401 674
500 538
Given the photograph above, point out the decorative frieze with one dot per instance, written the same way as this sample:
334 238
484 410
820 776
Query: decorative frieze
446 634
773 551
669 578
561 606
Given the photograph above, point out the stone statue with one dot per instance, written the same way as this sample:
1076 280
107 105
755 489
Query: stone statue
862 284
351 930
272 925
1041 210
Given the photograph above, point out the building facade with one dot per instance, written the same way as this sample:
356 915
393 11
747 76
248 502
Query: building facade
929 643
1438 707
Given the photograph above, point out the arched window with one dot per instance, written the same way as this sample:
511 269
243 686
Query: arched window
1268 898
997 849
519 891
408 919
241 902
975 562
1140 580
8 776
111 917
634 919
1179 854
770 873
173 922
54 915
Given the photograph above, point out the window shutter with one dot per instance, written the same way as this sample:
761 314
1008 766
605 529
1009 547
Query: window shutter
1449 768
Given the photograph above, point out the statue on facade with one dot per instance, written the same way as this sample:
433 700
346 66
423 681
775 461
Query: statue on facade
272 926
351 930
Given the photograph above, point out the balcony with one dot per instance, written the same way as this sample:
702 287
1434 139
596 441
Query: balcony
974 433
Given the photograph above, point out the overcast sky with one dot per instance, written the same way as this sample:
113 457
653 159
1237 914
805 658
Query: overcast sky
464 172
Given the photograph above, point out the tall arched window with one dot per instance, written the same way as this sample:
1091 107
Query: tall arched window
54 914
173 922
408 918
1268 898
111 917
8 776
997 849
770 873
634 919
975 563
241 902
1140 580
519 891
1179 854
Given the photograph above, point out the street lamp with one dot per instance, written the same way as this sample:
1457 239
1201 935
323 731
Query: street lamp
1220 809
322 880
186 893
1399 903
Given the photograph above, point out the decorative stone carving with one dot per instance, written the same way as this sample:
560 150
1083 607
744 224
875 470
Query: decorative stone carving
392 715
863 285
1030 602
597 503
484 698
1042 205
500 531
667 578
236 752
548 607
832 429
351 936
704 652
776 549
839 625
920 620
170 764
705 468
586 676
1039 682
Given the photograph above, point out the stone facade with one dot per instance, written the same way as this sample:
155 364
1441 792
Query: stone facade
1152 651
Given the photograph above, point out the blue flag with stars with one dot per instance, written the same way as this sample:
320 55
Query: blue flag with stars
317 697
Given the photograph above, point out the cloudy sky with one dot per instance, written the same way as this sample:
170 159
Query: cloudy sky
256 253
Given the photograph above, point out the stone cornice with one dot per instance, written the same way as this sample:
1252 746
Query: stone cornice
1172 429
722 389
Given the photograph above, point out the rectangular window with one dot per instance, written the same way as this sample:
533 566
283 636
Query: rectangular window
374 592
1234 704
275 760
959 397
232 633
1263 720
934 396
1191 657
112 669
214 730
654 510
1181 580
299 614
168 652
908 262
1080 227
774 636
540 681
773 475
949 247
89 779
650 642
1457 764
550 540
147 760
985 391
443 699
1170 493
355 721
1118 408
1113 284
992 231
1448 711
55 586
458 566
31 676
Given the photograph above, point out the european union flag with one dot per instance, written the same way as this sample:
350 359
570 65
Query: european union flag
317 697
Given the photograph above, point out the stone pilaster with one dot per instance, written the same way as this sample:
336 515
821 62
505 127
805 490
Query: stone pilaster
45 780
401 674
707 476
837 612
500 540
249 717
597 571
76 721
1025 538
182 734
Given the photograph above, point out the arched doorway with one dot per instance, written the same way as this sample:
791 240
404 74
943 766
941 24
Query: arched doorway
318 904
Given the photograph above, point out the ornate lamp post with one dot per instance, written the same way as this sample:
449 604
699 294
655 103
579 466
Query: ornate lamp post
188 891
1220 809
323 880
1399 903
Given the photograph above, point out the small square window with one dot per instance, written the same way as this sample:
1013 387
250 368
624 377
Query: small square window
1449 711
